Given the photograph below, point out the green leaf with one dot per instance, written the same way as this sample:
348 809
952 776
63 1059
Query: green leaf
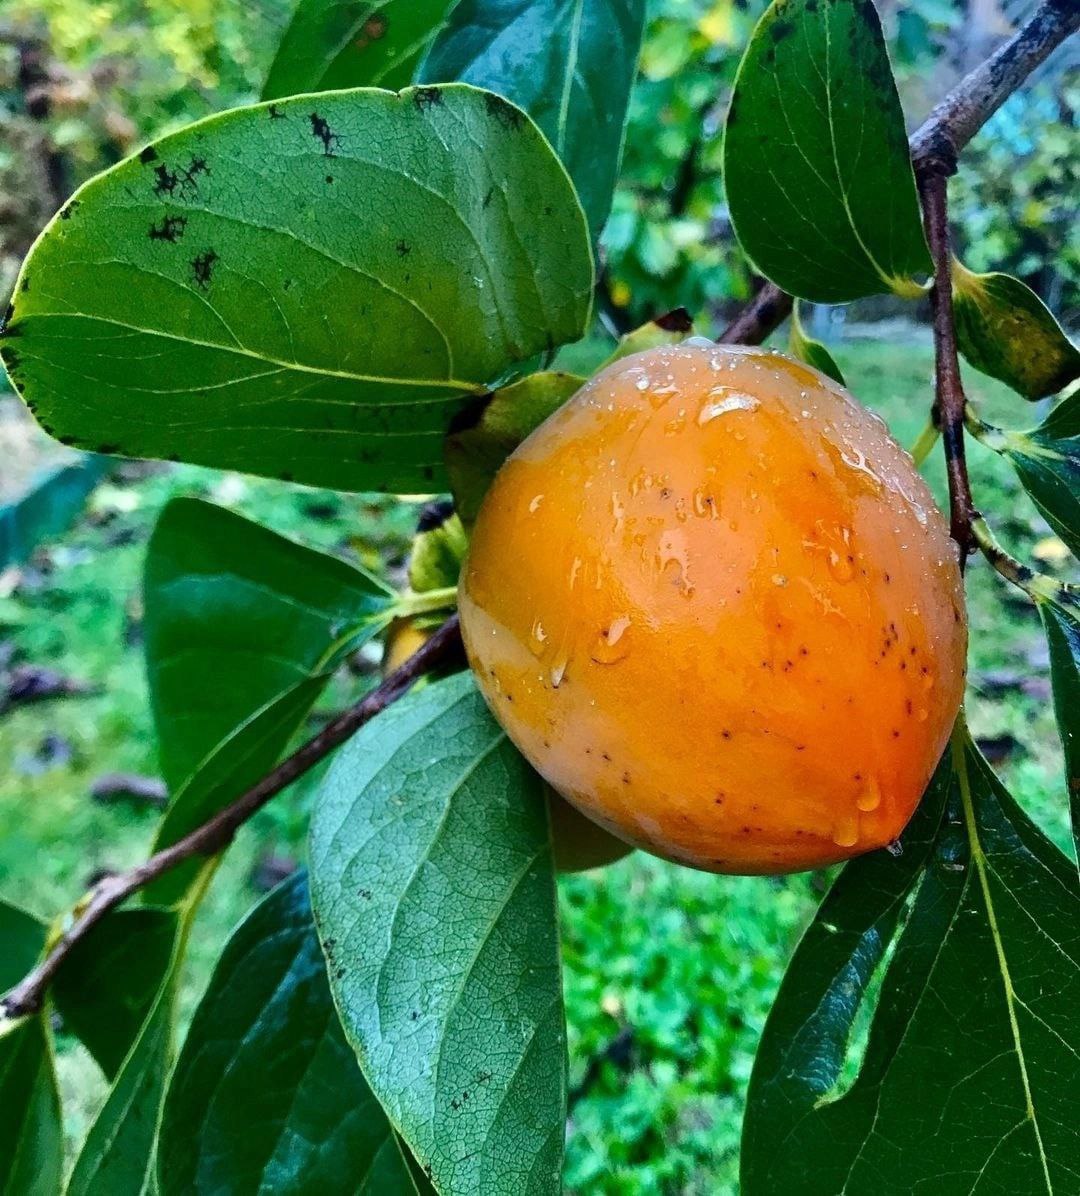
330 44
46 509
1047 461
438 548
434 898
31 1138
243 630
813 352
1060 612
1005 330
110 981
970 1077
306 289
569 63
117 1157
266 1095
489 430
816 163
672 328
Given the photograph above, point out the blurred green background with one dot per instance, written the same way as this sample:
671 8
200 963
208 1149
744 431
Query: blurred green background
669 973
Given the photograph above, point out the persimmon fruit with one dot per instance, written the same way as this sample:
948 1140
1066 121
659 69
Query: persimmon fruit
713 603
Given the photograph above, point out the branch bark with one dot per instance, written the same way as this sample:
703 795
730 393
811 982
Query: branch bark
944 133
28 995
950 403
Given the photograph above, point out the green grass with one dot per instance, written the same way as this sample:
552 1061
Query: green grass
669 972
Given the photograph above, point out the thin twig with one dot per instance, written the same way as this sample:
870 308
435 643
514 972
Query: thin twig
27 996
950 402
944 133
964 111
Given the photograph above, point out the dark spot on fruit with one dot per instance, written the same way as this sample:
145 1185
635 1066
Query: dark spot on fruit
202 267
171 229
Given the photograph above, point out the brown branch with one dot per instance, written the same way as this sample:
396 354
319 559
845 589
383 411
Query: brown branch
950 403
964 111
944 133
207 840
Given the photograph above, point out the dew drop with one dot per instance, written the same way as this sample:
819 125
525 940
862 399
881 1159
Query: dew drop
871 799
558 672
846 832
537 500
613 644
733 402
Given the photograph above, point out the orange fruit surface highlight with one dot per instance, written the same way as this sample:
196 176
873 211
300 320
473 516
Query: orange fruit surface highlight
713 603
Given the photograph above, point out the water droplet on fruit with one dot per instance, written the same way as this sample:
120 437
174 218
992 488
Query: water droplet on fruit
538 638
537 500
733 402
871 799
558 671
613 643
846 832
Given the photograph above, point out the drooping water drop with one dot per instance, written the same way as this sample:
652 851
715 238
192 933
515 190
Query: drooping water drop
846 831
870 799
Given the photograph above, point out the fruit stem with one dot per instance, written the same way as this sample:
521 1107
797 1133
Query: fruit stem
428 601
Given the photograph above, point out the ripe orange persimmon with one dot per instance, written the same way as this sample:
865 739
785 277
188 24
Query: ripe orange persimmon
713 603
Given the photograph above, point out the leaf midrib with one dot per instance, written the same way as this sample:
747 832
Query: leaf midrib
299 367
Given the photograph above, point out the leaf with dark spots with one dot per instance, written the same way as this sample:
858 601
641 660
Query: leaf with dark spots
202 267
427 97
69 210
148 155
320 128
169 228
315 352
505 113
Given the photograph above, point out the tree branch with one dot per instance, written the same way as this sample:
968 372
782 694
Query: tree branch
950 403
27 996
944 133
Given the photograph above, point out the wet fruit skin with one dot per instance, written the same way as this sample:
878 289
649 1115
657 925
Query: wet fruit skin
713 603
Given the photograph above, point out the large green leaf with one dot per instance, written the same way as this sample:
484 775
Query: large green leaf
47 508
1060 613
488 431
330 44
1048 463
266 1095
970 1079
434 898
117 1157
243 630
31 1139
569 63
304 289
1005 330
816 162
110 981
